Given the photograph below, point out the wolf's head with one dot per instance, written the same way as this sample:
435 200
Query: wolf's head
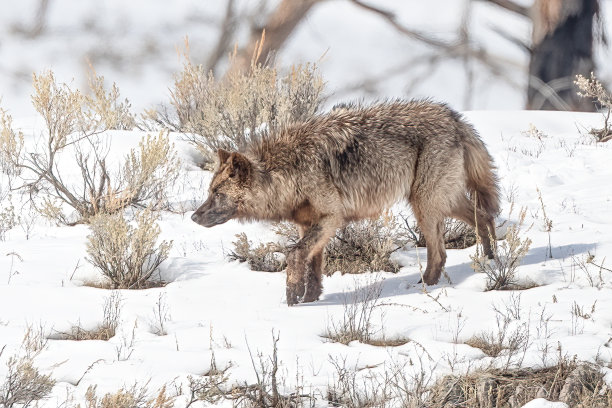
228 188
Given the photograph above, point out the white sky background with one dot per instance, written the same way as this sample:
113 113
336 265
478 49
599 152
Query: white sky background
134 44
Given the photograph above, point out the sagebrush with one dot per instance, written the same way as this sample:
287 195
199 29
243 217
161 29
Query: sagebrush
128 397
457 235
363 246
127 255
231 111
592 88
23 384
366 246
501 270
74 124
267 257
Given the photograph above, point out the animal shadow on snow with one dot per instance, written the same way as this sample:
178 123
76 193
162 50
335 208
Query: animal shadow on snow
408 283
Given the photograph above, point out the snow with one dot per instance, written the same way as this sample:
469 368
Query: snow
221 309
542 403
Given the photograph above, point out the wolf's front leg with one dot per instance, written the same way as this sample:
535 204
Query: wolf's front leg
296 271
308 256
314 272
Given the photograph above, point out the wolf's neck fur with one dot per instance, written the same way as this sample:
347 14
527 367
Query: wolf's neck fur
271 198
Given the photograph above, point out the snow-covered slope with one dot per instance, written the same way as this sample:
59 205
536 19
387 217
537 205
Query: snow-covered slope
221 308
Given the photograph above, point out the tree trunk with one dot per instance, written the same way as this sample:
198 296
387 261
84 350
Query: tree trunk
278 27
563 35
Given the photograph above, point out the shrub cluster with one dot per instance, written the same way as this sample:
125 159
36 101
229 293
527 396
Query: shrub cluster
230 112
74 123
126 255
362 246
501 271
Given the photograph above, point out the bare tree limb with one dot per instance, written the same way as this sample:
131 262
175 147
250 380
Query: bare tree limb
391 19
512 6
278 27
228 27
453 49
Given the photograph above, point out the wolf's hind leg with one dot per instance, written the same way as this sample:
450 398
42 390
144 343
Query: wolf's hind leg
464 211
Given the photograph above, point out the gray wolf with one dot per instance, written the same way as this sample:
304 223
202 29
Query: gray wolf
353 163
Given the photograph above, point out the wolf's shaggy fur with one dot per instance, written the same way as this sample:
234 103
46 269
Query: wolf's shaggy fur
353 163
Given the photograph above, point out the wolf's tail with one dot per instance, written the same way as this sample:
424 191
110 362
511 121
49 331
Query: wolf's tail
482 182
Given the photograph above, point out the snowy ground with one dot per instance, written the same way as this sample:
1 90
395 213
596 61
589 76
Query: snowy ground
217 307
213 306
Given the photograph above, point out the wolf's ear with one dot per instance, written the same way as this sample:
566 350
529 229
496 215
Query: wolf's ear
240 166
223 155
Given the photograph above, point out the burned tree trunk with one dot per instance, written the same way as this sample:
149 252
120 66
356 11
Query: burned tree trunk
563 36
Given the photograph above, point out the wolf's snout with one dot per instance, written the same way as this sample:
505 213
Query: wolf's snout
194 217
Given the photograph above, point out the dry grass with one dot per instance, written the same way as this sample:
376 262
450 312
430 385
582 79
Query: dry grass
133 397
106 330
230 112
265 392
357 321
580 385
126 255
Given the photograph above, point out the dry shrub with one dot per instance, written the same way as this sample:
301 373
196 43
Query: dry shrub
400 384
592 88
508 341
230 112
133 397
108 108
210 388
23 384
106 330
11 145
268 257
360 247
366 246
580 385
457 235
352 390
126 255
358 311
501 270
266 392
74 122
8 218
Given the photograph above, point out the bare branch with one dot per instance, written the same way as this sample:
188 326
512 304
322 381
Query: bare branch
453 49
391 18
278 27
228 27
511 6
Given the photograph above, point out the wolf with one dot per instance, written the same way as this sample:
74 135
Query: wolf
353 163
